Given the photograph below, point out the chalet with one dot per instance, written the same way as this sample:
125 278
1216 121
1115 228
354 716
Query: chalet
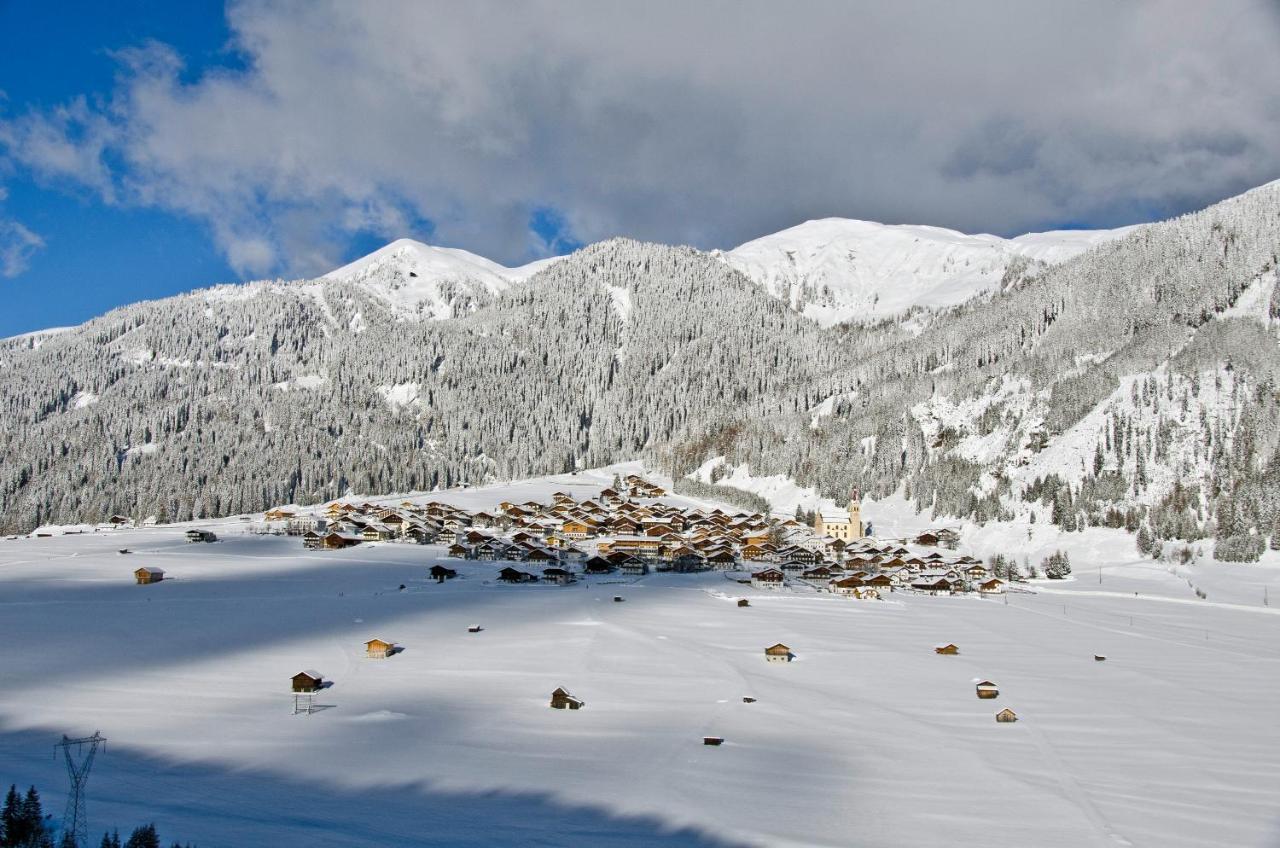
308 681
440 574
769 578
987 689
376 649
376 533
558 576
929 540
947 650
879 581
633 567
1006 715
541 555
459 552
511 575
632 544
821 572
754 552
847 586
577 529
421 535
777 653
721 559
119 520
743 602
335 541
597 565
562 700
311 540
688 561
147 575
792 565
201 536
934 586
994 586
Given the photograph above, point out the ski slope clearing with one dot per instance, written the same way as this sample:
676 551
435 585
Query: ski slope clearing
866 738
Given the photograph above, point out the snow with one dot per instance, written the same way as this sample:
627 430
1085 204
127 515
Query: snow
869 735
621 298
400 395
82 399
835 269
417 280
1255 301
782 493
303 381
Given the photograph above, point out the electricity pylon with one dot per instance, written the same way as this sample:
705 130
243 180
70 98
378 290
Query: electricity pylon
76 821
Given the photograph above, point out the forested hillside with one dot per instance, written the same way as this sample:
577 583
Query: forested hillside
1134 385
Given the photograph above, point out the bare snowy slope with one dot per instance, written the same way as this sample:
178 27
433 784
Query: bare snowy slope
421 281
835 270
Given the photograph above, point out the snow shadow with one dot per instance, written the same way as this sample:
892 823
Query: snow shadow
215 807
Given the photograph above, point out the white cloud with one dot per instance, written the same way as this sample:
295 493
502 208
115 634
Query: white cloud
705 123
17 245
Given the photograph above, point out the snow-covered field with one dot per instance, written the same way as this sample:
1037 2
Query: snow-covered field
867 738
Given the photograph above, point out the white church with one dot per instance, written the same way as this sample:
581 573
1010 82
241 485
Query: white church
838 524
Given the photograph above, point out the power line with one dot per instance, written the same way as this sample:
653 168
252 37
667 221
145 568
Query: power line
75 821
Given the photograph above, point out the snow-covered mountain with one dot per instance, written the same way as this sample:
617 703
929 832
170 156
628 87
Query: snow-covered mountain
416 280
1132 384
832 270
836 269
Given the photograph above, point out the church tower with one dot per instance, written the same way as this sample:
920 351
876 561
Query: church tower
855 515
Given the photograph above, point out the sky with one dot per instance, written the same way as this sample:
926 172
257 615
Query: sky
148 148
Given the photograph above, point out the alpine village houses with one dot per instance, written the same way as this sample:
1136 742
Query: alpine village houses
631 530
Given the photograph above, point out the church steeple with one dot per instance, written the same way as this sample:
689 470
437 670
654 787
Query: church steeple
855 514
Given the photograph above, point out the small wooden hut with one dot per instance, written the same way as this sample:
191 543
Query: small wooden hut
308 681
1006 715
987 689
147 574
777 653
743 602
377 649
562 700
947 649
713 740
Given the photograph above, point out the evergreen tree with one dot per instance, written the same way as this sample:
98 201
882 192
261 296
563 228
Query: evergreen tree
143 837
111 840
1057 565
10 818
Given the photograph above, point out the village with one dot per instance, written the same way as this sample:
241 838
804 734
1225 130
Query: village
628 530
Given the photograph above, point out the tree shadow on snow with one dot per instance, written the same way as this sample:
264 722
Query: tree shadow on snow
212 807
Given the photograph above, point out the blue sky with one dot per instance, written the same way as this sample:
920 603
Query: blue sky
96 256
149 148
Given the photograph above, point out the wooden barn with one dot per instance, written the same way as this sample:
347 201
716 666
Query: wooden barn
743 602
377 649
308 681
440 574
1006 715
147 574
201 536
562 700
987 689
777 653
947 649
